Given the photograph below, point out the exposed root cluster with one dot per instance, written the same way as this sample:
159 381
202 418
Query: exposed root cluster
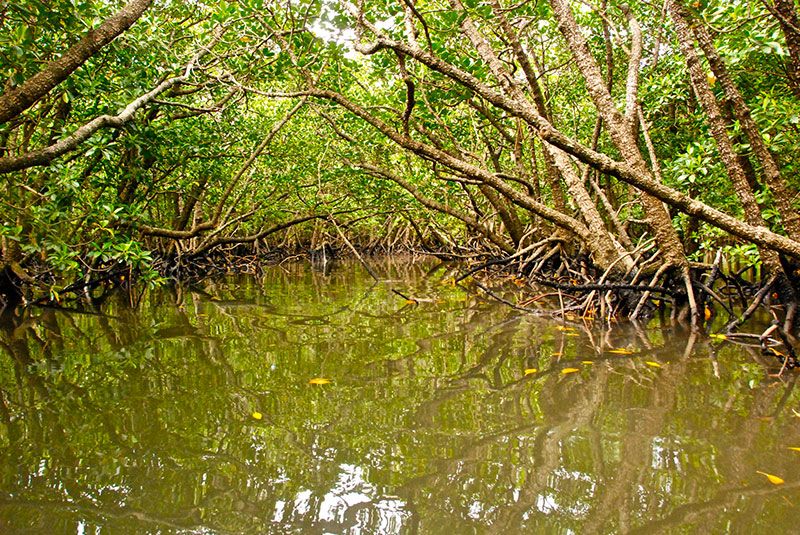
700 296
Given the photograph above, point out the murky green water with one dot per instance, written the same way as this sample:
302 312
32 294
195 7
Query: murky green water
146 420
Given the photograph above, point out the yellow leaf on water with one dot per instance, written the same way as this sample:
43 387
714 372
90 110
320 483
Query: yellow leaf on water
794 449
587 362
621 351
653 364
569 370
257 415
319 381
529 371
775 480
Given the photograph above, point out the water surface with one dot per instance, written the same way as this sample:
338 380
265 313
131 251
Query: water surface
192 412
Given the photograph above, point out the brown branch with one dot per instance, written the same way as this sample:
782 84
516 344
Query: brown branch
472 222
45 155
603 163
257 236
20 98
256 153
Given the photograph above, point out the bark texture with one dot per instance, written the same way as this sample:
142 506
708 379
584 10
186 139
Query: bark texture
771 172
620 127
786 12
719 130
20 98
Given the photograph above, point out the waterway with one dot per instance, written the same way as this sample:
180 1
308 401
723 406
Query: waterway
319 401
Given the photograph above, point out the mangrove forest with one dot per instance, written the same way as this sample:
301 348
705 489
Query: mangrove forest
404 266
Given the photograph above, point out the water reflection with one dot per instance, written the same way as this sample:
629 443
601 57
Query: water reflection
126 420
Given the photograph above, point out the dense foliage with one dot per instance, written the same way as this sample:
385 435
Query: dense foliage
630 135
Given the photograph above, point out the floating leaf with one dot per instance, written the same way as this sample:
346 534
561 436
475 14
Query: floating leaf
529 371
653 364
794 449
587 362
775 480
257 415
319 381
569 370
621 351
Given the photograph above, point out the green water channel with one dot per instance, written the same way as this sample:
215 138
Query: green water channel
192 412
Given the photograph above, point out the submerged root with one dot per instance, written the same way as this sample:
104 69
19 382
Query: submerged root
768 346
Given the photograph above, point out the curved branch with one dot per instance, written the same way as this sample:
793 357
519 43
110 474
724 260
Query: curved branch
46 155
599 161
257 236
16 100
471 222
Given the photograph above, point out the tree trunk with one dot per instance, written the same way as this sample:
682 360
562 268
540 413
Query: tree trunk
619 128
605 250
787 17
772 174
642 180
719 130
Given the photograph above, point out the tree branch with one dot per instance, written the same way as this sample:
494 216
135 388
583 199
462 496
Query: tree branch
46 155
20 98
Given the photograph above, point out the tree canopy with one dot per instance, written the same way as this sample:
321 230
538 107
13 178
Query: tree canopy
637 136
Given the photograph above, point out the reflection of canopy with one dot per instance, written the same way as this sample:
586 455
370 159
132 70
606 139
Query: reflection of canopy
143 420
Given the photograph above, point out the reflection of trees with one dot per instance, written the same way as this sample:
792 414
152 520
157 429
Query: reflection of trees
141 419
702 512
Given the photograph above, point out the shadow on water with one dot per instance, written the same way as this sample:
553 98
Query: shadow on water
193 413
